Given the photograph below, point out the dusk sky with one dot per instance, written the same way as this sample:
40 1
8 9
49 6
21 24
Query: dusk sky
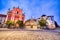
34 8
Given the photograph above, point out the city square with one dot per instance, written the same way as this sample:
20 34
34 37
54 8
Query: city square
29 20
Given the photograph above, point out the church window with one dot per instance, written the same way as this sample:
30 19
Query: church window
17 13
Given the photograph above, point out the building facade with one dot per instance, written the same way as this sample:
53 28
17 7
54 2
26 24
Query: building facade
15 14
31 24
50 24
2 18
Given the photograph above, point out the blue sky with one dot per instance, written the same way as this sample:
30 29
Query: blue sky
34 8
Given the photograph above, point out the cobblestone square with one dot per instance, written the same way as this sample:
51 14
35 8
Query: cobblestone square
29 35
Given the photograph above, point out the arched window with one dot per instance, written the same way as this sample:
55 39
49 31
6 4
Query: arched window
17 12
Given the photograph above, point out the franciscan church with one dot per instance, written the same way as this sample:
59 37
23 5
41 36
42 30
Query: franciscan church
15 14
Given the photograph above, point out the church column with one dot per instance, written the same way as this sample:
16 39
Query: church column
6 18
12 17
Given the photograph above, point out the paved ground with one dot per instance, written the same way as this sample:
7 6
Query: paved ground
10 34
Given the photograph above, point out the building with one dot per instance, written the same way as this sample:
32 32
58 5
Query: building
50 24
2 18
31 24
15 14
44 17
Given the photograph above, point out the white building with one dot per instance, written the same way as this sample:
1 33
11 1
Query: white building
49 21
2 18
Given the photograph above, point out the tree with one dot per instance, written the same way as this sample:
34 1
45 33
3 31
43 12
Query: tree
20 23
42 23
9 23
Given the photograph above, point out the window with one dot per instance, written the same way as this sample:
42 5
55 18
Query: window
17 13
31 26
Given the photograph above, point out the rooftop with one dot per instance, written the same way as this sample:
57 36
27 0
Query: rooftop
2 15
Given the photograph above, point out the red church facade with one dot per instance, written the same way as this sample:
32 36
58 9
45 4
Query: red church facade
15 15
